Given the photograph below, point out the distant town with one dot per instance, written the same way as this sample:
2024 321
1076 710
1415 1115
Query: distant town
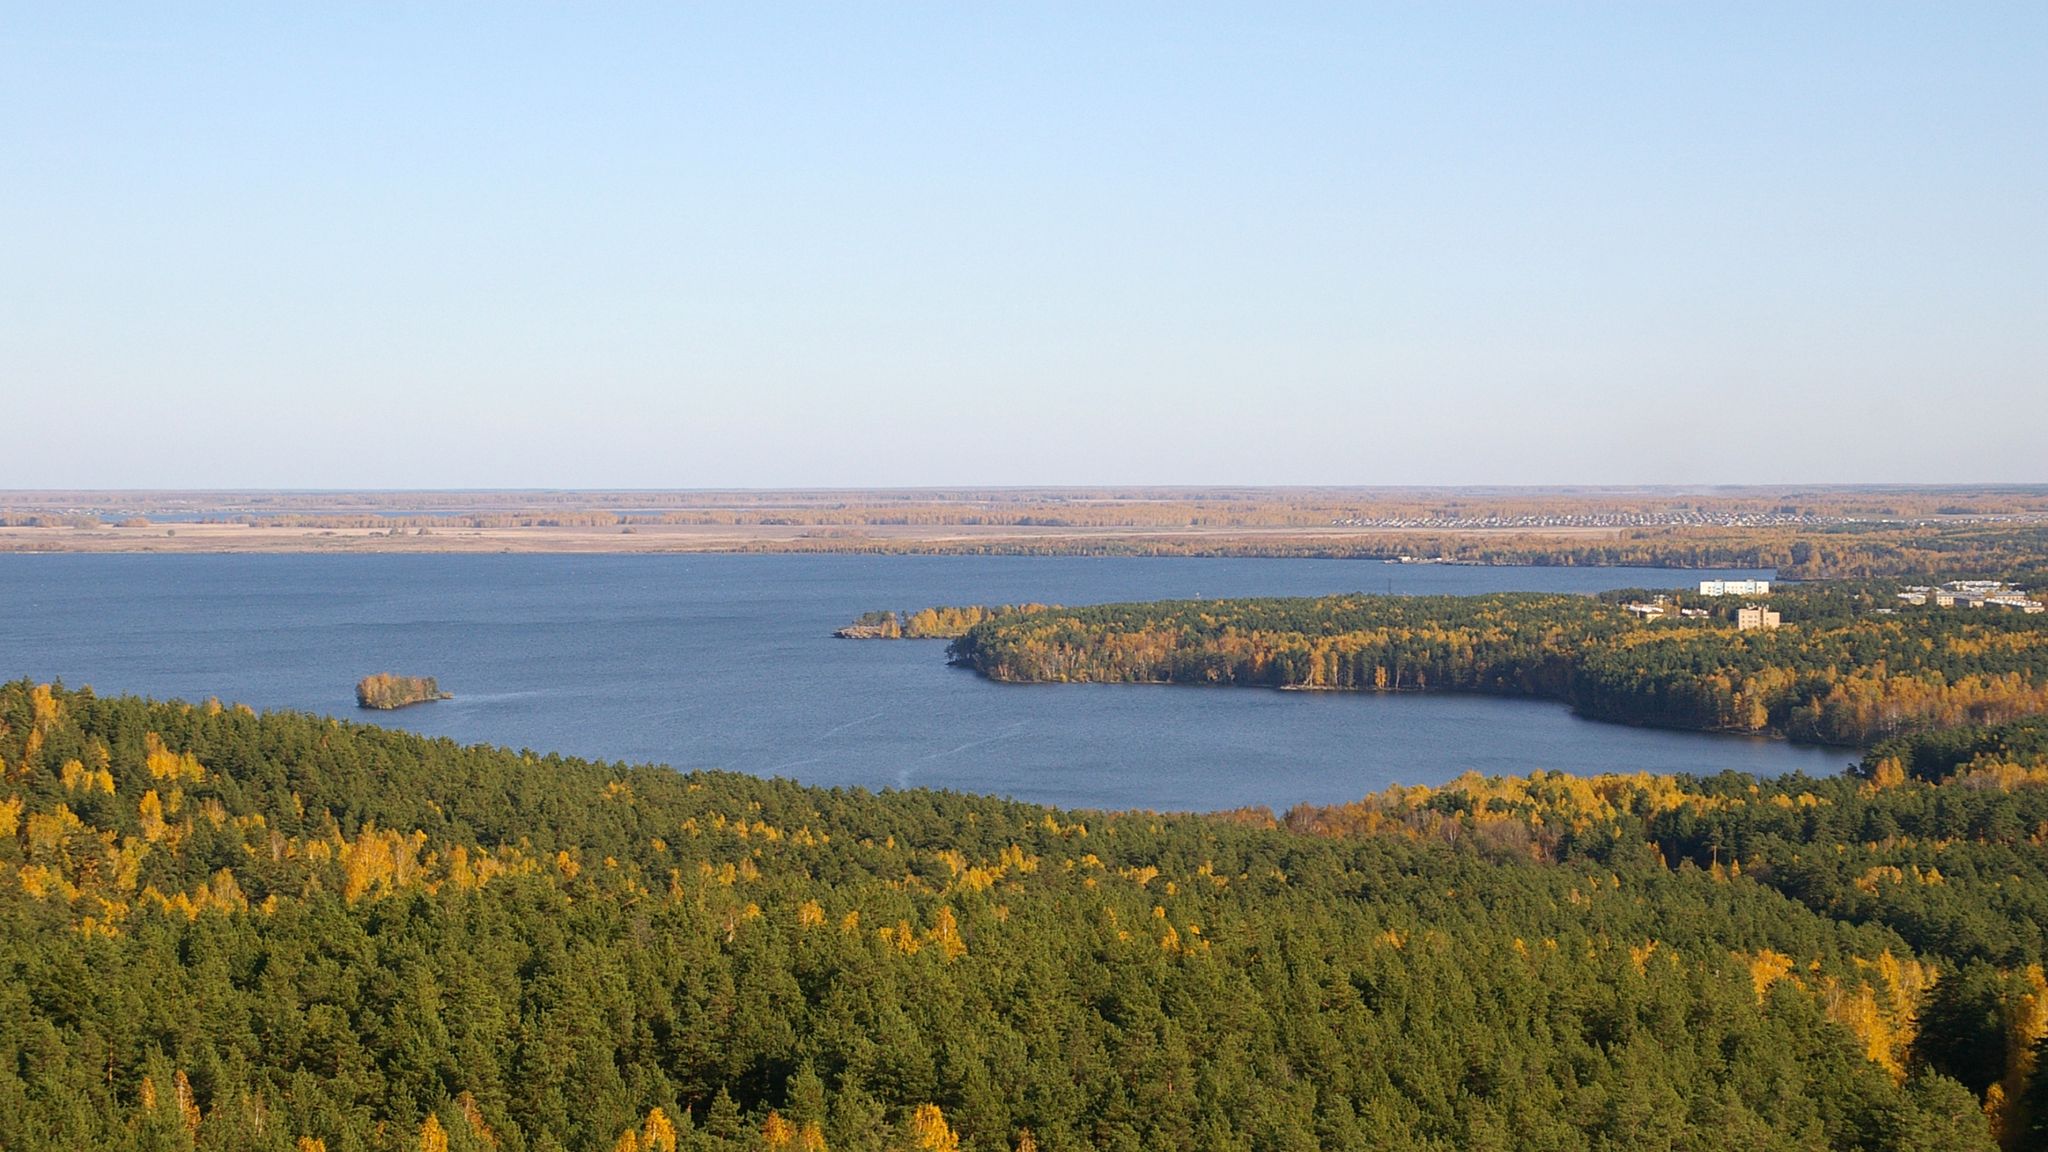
1954 594
1972 594
1748 618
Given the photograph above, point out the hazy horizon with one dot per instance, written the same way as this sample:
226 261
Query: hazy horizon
1190 489
638 248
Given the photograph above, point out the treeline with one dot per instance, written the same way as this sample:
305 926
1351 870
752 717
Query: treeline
1846 552
1847 668
50 520
1969 751
226 931
928 623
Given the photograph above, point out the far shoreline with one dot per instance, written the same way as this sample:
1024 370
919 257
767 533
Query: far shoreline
1271 543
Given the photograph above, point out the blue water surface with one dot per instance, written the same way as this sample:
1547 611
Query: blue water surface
729 662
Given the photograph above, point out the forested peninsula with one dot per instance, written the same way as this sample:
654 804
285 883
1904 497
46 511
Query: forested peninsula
1851 665
289 933
927 623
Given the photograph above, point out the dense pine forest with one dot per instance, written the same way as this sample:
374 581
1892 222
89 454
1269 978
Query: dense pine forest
1851 665
284 932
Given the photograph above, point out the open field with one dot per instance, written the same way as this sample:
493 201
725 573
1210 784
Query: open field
1803 532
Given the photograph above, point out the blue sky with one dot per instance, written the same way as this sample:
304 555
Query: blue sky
756 245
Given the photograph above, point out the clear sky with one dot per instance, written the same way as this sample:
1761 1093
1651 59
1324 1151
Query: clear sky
468 244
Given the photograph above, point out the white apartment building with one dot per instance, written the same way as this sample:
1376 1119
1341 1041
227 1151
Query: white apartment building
1735 587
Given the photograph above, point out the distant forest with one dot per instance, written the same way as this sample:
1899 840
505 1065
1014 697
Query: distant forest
1840 552
289 933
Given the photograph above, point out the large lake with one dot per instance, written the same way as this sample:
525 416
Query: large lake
729 662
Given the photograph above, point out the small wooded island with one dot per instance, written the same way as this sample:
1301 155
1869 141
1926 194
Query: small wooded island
384 691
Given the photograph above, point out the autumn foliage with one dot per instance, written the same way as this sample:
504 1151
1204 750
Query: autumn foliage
290 934
1848 668
384 690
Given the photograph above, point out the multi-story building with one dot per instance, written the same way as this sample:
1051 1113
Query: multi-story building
1973 594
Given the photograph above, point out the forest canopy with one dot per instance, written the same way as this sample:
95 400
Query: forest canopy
286 932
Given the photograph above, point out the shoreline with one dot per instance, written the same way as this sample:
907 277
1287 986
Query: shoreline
234 538
1771 737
